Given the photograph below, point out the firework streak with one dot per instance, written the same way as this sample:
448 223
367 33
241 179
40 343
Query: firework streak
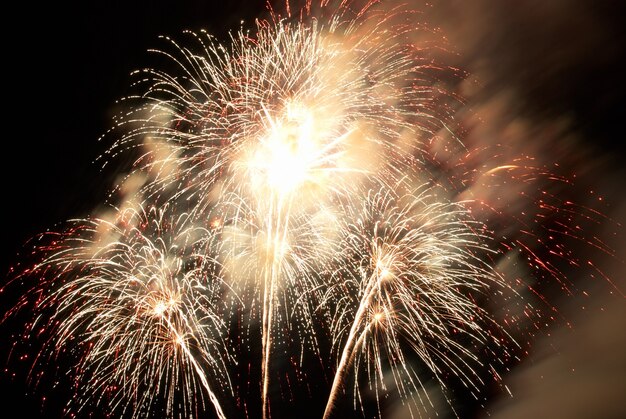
286 197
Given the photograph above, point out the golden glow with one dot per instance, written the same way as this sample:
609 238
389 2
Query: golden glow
216 223
160 308
382 267
288 152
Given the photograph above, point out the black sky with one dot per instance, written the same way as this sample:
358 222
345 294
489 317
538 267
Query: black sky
66 64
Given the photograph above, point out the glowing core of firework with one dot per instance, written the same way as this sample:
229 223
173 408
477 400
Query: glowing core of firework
160 307
285 156
301 146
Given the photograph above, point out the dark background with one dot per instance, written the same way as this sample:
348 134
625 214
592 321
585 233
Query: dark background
65 64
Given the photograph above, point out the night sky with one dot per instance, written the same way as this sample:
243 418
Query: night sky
66 63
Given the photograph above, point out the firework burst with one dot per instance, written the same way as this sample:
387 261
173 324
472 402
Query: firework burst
140 300
315 197
413 267
276 130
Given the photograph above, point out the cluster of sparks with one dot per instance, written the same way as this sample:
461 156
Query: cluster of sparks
140 287
284 195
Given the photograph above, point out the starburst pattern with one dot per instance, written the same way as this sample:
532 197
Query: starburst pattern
140 299
411 264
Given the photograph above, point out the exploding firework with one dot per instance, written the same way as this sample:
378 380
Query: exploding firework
140 300
273 135
412 266
314 198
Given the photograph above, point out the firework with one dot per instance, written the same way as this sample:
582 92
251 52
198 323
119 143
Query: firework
314 196
141 301
271 134
411 264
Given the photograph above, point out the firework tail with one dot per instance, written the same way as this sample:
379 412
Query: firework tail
350 347
180 340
